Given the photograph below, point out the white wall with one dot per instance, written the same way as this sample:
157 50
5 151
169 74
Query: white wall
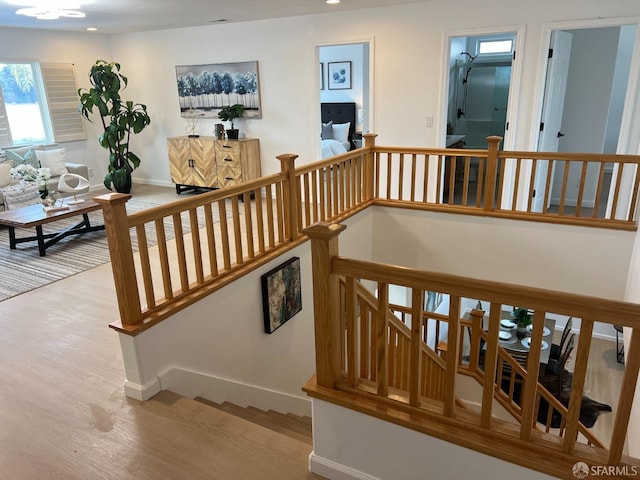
351 445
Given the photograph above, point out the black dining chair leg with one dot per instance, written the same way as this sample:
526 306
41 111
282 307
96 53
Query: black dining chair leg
619 344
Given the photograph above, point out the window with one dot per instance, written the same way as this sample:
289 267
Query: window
38 104
494 47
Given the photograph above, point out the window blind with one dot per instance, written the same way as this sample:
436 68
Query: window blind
5 132
62 98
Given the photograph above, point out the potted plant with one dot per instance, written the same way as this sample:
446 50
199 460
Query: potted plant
228 114
522 319
119 118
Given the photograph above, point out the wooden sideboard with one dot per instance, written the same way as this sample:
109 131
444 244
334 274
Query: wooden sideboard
205 162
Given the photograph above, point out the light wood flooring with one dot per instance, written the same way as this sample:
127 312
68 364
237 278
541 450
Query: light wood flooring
63 413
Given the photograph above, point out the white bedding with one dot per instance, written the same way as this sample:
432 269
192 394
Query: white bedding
331 148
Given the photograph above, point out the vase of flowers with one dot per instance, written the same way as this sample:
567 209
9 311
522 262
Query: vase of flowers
28 173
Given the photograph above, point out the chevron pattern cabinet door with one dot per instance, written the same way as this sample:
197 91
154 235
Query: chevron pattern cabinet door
203 161
179 165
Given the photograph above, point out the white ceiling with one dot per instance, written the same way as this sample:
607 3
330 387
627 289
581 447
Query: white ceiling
120 16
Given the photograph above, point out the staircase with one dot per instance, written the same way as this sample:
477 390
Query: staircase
293 426
215 443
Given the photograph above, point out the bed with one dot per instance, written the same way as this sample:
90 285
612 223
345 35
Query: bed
338 127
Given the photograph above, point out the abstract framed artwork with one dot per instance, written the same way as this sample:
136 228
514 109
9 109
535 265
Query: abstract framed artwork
339 75
281 294
204 89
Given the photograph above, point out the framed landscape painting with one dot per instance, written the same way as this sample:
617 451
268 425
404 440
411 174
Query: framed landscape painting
281 294
204 89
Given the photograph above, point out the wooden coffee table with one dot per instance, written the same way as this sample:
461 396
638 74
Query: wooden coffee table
35 216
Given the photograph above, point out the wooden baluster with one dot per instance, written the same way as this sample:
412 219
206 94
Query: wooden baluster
596 202
211 239
425 183
491 176
634 195
163 255
452 356
490 363
532 179
577 385
565 183
417 305
124 274
581 185
237 235
145 264
324 246
627 392
287 165
271 227
547 185
260 220
224 234
476 326
413 178
401 177
180 252
371 175
196 246
382 340
352 332
528 396
377 178
389 175
248 224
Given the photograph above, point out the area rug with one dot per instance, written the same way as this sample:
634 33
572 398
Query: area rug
23 269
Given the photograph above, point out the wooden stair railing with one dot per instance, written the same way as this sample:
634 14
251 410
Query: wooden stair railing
337 316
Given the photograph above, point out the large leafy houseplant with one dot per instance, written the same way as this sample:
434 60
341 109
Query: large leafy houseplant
119 118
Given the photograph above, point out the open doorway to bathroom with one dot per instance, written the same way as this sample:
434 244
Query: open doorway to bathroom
479 84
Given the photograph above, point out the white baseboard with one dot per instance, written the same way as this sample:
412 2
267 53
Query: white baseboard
572 202
335 471
142 392
195 384
155 183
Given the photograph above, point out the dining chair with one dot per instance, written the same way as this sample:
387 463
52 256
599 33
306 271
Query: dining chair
556 349
554 374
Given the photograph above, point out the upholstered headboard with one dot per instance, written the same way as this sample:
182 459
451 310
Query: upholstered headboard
340 113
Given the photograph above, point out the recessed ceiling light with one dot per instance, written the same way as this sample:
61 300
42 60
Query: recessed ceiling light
333 2
92 29
44 13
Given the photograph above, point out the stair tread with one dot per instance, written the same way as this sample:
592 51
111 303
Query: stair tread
235 447
297 427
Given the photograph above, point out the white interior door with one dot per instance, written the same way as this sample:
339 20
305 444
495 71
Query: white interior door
552 109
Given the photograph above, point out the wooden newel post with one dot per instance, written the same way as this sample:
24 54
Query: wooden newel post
326 301
124 274
369 144
287 165
492 172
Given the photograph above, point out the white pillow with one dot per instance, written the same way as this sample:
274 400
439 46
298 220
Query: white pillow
53 160
341 132
5 174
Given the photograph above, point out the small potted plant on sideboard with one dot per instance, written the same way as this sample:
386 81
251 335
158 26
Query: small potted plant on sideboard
228 114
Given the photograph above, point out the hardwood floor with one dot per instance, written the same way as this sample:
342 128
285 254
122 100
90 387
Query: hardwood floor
63 413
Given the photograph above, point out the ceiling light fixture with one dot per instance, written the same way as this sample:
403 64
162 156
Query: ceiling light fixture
92 29
44 13
333 2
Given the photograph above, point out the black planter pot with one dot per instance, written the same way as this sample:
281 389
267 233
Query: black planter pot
232 133
122 183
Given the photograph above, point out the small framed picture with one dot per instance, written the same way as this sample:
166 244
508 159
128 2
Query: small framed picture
281 294
339 75
321 76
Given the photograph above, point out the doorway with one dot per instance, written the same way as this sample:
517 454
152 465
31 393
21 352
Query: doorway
584 95
357 56
479 83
